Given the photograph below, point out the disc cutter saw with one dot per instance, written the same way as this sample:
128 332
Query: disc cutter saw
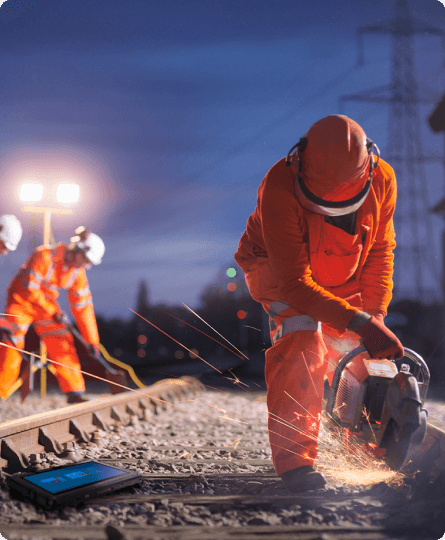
381 402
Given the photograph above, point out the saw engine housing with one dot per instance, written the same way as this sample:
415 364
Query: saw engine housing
382 402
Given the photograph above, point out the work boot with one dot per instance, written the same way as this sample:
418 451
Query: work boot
77 397
303 479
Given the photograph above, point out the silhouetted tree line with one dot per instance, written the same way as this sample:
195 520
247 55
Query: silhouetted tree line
219 308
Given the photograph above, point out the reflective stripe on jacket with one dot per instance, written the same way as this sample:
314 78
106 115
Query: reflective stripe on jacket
37 283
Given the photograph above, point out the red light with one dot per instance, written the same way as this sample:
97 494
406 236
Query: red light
231 287
142 339
241 314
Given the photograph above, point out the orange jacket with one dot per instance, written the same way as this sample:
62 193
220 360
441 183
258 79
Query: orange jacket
37 283
282 230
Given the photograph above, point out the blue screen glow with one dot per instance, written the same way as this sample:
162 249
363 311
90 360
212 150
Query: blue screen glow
71 477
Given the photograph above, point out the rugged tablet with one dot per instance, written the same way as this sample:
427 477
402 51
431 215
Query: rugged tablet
69 485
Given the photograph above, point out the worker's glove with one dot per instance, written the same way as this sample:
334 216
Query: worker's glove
95 351
61 317
378 340
379 315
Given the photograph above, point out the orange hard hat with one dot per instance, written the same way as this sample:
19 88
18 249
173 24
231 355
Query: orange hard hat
335 163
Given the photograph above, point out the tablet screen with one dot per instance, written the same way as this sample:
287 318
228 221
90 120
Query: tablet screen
70 477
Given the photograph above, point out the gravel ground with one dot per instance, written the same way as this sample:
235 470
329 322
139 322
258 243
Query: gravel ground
181 438
13 409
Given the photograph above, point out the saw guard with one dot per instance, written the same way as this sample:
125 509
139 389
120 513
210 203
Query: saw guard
402 442
404 421
416 358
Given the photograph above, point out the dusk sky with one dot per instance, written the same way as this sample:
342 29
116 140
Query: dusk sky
168 114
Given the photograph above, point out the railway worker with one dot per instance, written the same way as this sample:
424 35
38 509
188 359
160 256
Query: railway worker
32 298
10 233
317 253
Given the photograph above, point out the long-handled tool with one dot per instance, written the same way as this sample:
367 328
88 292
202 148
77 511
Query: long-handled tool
110 364
381 401
115 370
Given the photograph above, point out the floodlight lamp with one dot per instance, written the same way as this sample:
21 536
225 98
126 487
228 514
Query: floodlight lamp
67 193
31 192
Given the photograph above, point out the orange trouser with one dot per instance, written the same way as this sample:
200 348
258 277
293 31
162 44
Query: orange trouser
60 348
300 356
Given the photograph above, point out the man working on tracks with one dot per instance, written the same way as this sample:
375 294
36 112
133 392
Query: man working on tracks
317 253
32 300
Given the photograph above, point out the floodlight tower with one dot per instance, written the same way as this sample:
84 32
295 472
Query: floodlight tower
416 272
32 192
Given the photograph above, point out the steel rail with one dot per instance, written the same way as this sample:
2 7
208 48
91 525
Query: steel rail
53 431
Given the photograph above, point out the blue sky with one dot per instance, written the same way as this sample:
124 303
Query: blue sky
168 114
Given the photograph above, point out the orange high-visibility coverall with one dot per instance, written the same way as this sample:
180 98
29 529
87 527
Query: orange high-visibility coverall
31 299
311 278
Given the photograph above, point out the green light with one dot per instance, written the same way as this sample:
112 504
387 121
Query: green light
231 272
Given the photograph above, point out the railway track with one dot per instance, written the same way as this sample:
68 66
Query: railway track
207 473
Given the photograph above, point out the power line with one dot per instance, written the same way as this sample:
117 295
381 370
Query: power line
416 272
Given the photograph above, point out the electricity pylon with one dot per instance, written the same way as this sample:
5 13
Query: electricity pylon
416 271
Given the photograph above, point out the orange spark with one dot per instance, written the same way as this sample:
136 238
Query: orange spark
294 428
287 449
194 327
225 417
213 388
176 341
287 439
235 443
329 360
220 335
307 367
299 404
366 415
235 380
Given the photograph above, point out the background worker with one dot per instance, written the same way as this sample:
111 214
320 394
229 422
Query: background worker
10 233
32 298
317 253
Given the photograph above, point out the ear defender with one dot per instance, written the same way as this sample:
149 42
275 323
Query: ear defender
301 144
370 146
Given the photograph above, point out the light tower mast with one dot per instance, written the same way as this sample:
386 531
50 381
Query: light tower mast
416 272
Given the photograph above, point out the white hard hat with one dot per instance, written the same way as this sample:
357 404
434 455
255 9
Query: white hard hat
10 231
91 245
